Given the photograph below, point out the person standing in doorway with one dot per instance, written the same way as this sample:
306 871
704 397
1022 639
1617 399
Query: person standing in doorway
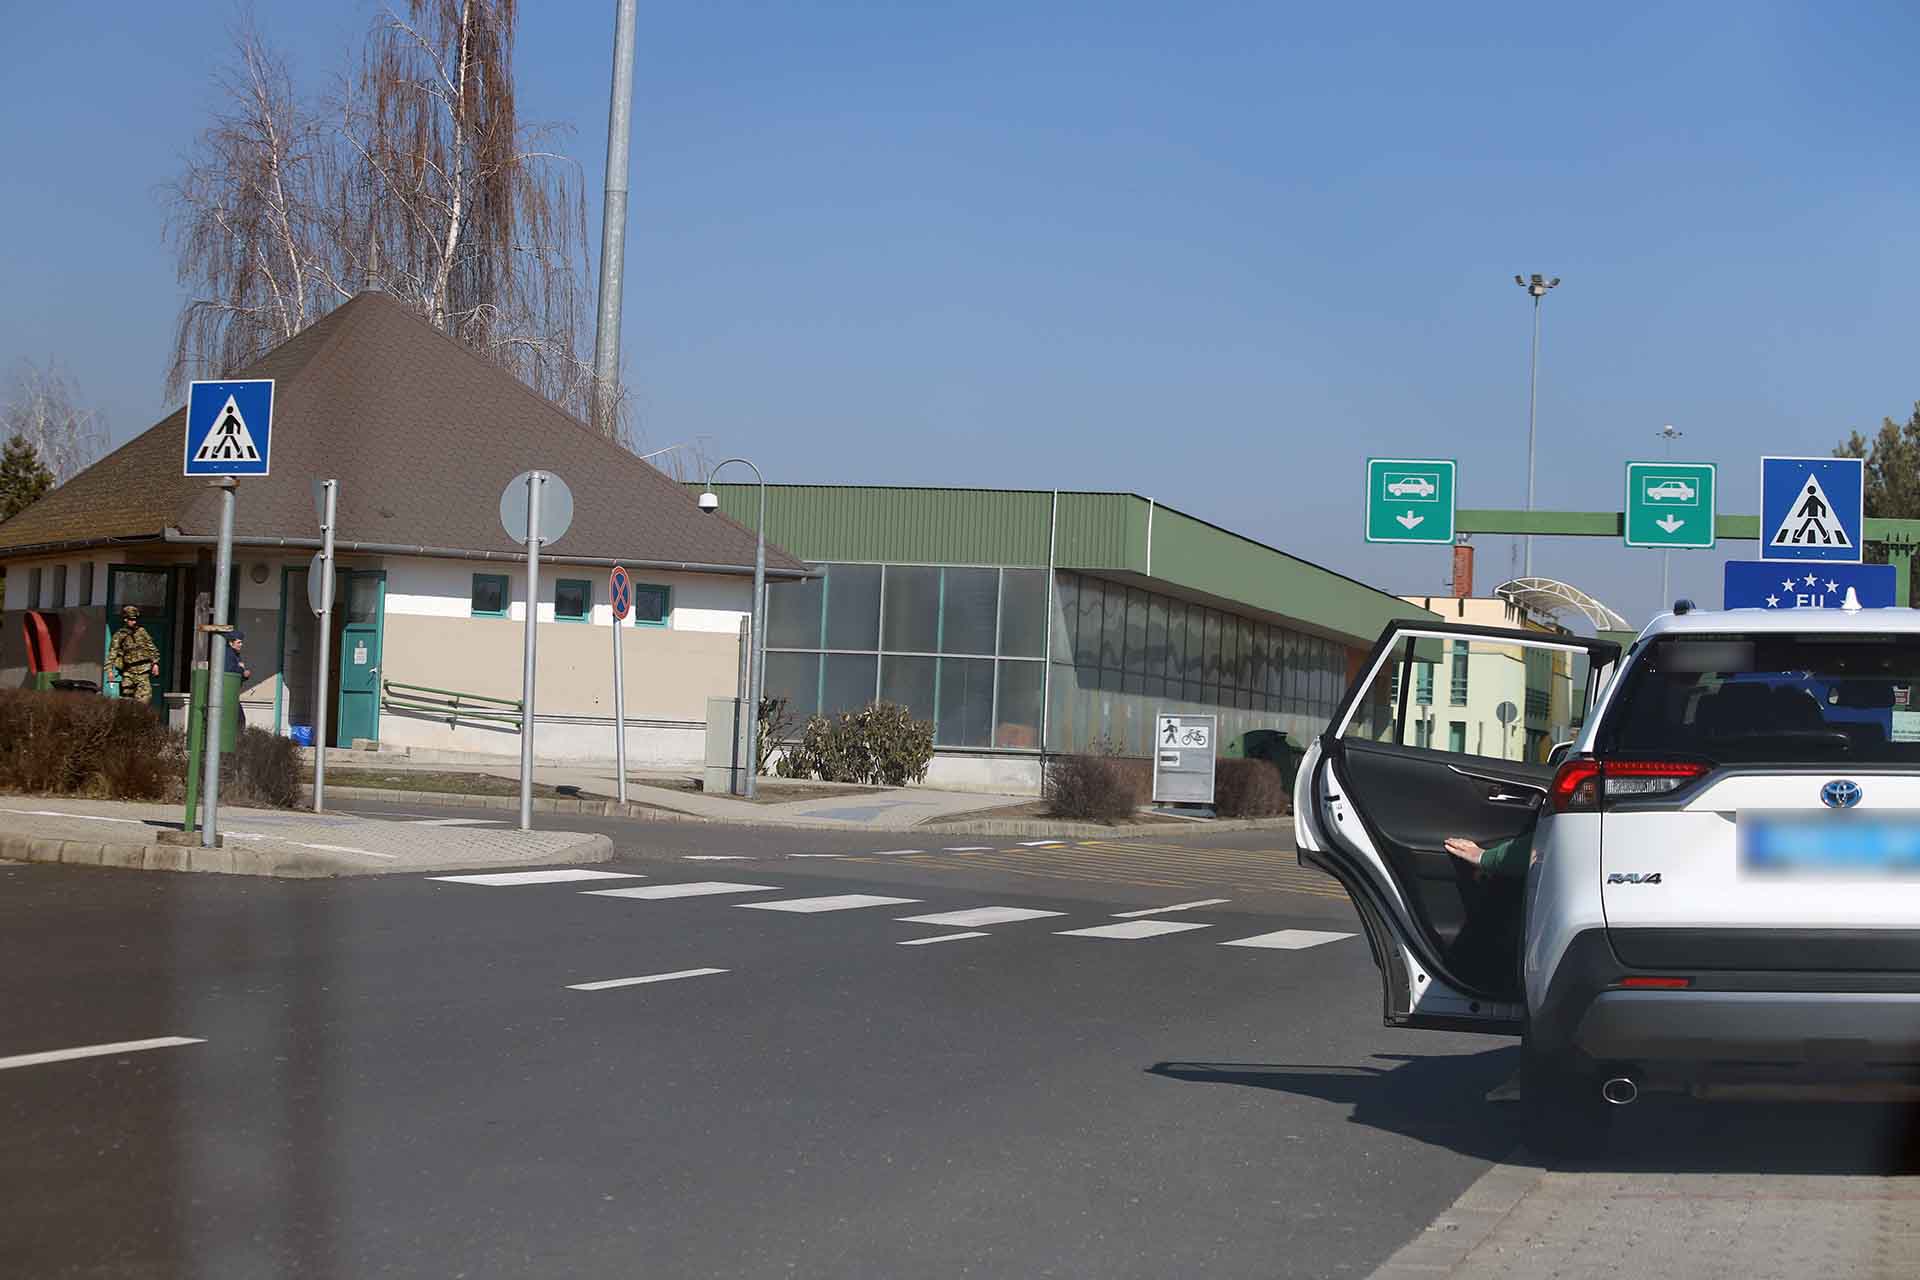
237 666
133 658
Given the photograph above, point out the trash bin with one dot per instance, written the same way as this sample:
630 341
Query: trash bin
1276 748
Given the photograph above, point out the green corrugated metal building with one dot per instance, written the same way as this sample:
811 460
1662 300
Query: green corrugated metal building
1017 619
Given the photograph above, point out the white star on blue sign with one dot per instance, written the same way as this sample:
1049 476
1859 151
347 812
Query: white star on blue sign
1772 601
1787 585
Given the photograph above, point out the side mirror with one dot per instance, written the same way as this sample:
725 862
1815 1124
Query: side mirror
709 502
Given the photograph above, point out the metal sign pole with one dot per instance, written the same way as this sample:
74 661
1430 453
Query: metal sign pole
217 668
619 711
535 483
321 681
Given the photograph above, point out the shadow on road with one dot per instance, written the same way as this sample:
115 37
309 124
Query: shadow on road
1442 1101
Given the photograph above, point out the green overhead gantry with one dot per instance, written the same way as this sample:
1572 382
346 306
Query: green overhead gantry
1900 537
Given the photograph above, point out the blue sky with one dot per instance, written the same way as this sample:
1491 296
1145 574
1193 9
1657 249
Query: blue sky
1214 253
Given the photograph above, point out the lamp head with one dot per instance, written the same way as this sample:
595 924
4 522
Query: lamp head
709 502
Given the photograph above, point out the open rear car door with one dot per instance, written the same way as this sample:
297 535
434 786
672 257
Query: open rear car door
1447 732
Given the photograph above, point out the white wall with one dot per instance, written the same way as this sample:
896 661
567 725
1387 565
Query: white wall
444 589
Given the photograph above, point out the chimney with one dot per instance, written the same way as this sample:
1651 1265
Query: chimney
1462 571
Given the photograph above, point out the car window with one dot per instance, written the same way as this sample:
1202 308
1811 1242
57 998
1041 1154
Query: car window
1786 699
1470 696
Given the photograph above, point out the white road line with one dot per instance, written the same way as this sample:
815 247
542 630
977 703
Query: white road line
1178 906
341 848
968 848
833 902
699 889
716 857
537 877
945 937
1039 844
84 817
1133 929
977 916
634 982
1288 939
816 855
889 853
95 1051
458 822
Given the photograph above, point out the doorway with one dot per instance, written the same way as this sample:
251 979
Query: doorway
152 590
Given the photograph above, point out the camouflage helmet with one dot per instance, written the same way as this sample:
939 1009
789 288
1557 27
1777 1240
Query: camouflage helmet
131 612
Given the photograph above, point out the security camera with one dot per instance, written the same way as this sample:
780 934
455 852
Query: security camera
709 502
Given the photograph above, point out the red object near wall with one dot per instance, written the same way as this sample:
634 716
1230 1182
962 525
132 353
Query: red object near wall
43 642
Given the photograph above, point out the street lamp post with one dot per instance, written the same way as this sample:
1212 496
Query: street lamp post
757 639
1669 433
1536 287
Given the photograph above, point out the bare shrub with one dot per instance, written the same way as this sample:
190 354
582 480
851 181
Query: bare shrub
1248 789
1092 786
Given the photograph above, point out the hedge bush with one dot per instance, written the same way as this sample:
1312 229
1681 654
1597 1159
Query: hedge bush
263 771
83 744
1248 789
1092 786
881 744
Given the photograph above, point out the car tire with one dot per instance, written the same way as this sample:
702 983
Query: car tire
1565 1115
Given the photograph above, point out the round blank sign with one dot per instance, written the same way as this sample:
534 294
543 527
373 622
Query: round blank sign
1506 713
556 508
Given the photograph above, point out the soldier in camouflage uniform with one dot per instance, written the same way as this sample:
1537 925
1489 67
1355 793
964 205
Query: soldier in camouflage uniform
133 657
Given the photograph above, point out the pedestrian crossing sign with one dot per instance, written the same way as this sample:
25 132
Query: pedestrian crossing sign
229 428
1812 509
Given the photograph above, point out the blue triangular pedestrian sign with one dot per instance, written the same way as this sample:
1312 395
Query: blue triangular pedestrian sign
229 428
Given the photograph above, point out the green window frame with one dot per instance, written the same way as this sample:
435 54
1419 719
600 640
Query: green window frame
567 585
642 591
499 582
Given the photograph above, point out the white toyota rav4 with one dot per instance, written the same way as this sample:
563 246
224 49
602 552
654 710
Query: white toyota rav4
1725 880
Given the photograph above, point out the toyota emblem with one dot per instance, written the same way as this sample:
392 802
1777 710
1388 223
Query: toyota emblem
1840 794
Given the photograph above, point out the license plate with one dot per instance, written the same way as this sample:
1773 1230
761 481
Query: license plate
1829 844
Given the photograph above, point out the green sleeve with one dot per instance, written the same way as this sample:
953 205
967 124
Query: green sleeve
1507 858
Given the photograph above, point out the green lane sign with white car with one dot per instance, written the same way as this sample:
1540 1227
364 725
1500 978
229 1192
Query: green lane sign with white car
1670 504
1410 500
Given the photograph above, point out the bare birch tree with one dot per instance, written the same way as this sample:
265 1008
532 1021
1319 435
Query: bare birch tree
45 407
419 180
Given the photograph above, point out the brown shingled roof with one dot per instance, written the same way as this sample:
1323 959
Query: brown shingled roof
422 434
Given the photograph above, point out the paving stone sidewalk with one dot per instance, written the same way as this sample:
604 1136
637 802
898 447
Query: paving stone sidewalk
274 842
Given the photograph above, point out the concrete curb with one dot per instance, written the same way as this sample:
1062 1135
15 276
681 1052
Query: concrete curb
237 859
649 813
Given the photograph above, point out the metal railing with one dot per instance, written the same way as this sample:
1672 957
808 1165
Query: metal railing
450 704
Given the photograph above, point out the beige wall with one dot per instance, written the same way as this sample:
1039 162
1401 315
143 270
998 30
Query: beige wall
670 674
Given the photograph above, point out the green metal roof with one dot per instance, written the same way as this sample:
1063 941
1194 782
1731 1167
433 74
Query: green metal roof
1119 534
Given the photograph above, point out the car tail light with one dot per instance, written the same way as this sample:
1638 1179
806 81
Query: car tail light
1576 788
1584 783
1656 984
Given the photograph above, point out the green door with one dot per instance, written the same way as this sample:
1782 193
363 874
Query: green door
366 598
152 590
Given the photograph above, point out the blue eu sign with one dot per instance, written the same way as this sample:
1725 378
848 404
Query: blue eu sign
229 428
1768 584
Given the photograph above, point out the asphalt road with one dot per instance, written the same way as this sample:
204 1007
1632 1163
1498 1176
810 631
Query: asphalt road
397 1076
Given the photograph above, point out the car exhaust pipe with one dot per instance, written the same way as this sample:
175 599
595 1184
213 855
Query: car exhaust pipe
1620 1091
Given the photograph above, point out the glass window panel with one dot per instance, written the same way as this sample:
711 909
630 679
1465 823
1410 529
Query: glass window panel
912 623
1243 655
853 606
1136 658
793 610
1210 672
970 611
1176 640
909 683
1257 672
847 681
363 598
572 598
966 702
1066 608
1193 692
144 587
1018 716
1196 643
795 677
1086 645
1229 651
651 604
1157 636
1113 628
489 593
86 582
1023 613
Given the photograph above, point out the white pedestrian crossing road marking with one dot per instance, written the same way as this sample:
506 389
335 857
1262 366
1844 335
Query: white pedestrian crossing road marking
974 917
610 983
968 848
1133 929
890 853
1178 906
944 937
832 902
816 855
1039 844
456 822
1288 939
94 1051
699 889
716 857
557 876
